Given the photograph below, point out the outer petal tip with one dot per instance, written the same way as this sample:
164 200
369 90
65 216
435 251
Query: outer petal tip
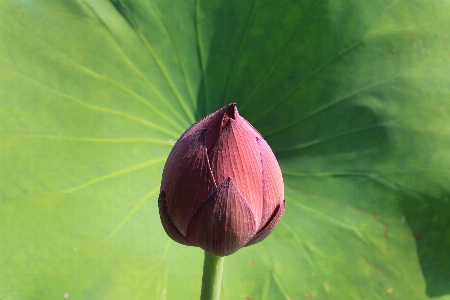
224 223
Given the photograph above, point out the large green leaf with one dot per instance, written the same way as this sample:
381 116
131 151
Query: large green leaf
353 97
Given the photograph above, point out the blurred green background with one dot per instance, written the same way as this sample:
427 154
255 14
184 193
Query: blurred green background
352 96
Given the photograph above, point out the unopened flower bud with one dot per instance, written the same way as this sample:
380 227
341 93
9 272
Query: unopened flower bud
222 187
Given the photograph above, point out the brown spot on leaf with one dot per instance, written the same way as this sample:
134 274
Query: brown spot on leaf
386 231
309 295
389 290
376 217
361 209
418 236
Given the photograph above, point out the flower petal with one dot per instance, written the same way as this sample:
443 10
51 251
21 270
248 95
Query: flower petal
269 226
170 229
187 179
213 124
272 182
246 124
223 223
236 154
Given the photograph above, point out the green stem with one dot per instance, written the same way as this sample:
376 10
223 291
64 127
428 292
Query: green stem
212 277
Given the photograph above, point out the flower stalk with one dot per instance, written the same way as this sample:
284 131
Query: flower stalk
212 277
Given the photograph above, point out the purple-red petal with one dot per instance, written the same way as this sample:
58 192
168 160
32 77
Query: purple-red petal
168 226
236 154
213 124
223 223
187 179
272 182
246 124
269 226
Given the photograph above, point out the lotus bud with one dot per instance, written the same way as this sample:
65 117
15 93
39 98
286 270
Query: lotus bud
221 187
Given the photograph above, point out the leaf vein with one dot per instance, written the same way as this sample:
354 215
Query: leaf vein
115 174
98 108
135 208
103 78
279 59
177 51
326 139
100 140
237 53
166 75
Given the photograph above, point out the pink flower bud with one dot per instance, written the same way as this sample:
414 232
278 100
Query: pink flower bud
221 187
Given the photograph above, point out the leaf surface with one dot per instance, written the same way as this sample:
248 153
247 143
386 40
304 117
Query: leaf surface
352 96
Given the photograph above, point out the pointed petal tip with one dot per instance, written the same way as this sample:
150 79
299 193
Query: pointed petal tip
229 113
224 223
231 110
